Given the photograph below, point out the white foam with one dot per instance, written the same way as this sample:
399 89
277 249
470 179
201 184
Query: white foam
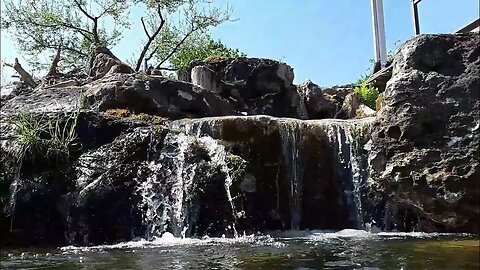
168 240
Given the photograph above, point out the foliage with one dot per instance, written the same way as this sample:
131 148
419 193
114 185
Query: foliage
369 94
42 26
41 139
364 77
178 39
201 47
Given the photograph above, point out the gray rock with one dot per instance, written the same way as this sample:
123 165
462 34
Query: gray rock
255 86
425 142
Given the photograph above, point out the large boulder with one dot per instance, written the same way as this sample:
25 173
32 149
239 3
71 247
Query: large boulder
319 106
155 95
254 86
325 102
102 61
425 142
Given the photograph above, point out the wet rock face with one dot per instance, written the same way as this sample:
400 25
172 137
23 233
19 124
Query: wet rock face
425 142
253 86
295 175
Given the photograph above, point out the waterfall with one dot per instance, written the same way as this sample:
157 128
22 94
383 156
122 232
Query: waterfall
351 164
168 187
290 134
344 139
168 193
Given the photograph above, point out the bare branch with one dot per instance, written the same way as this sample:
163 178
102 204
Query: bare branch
152 53
145 28
84 32
151 38
25 76
105 10
96 38
177 46
167 68
51 46
78 4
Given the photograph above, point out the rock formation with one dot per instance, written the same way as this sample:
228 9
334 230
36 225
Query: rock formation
425 142
152 155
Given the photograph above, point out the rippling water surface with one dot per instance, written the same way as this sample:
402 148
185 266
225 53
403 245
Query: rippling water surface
347 249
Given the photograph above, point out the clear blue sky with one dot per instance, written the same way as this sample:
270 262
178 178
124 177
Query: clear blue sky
326 41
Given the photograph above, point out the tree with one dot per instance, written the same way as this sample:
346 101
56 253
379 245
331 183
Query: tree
199 46
168 36
40 26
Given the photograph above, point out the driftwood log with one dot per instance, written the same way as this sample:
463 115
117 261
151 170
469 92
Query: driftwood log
24 75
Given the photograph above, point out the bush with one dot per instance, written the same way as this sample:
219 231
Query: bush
369 94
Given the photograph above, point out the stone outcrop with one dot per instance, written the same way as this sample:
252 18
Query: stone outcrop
425 142
102 61
253 86
323 103
353 107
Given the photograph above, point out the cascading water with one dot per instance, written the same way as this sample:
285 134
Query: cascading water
166 208
345 142
168 194
290 134
351 164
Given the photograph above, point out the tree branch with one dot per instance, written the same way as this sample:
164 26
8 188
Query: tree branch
145 28
26 77
50 46
83 10
96 38
105 10
177 46
151 38
85 33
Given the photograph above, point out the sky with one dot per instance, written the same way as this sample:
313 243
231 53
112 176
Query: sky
329 42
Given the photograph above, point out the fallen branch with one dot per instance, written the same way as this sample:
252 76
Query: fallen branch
24 75
54 66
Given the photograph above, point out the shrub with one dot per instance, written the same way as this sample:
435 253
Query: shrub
369 94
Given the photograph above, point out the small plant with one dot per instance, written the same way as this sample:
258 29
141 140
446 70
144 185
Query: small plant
41 139
84 103
63 138
369 94
30 136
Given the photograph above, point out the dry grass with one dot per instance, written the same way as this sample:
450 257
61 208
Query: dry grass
124 113
120 113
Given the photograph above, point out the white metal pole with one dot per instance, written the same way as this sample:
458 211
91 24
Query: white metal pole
375 31
381 34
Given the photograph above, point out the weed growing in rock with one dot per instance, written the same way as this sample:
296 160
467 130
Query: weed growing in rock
369 94
41 139
30 136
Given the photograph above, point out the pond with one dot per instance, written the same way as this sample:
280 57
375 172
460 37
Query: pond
346 249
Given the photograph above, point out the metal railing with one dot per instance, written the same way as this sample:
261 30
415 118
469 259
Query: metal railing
416 23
